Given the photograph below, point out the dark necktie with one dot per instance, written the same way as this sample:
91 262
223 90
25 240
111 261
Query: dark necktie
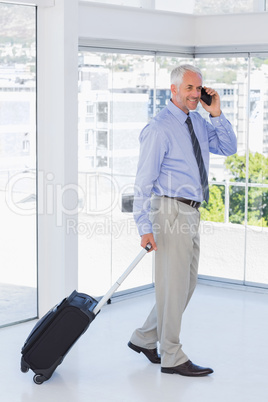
199 160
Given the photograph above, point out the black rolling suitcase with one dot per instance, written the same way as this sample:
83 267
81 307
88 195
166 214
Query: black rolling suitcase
55 333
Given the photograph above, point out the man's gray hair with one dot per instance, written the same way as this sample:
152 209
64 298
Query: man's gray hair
177 73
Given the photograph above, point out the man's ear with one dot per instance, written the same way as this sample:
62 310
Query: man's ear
173 89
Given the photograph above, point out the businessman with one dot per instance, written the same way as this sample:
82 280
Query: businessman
171 183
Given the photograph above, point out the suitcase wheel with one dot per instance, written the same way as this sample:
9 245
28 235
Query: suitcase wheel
39 379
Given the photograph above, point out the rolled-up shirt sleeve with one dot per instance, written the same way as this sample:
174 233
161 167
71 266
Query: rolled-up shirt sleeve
152 151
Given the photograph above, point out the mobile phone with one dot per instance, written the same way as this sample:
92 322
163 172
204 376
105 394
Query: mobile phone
206 97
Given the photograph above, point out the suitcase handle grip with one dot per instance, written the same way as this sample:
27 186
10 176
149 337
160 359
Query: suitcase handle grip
110 292
148 247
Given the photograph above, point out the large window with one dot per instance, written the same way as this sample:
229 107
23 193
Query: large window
118 94
18 299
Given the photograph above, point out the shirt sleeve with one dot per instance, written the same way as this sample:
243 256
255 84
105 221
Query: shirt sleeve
152 151
222 139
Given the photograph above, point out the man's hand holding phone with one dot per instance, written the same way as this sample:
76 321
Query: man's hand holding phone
210 100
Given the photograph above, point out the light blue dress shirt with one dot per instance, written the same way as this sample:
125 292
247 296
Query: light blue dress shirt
167 164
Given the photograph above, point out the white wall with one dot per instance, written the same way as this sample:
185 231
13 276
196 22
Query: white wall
236 29
127 24
109 24
57 123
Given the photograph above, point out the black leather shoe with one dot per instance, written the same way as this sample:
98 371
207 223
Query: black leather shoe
188 369
151 354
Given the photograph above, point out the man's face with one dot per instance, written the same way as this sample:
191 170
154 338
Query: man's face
187 96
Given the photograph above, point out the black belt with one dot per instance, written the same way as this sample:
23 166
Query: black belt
194 204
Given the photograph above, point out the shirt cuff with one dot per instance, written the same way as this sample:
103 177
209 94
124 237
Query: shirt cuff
219 120
145 228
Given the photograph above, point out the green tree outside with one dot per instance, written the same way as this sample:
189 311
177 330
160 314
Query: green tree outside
257 196
215 209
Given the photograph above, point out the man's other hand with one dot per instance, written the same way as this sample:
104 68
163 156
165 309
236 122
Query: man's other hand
148 238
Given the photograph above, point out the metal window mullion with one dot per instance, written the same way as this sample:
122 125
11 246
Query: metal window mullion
154 97
247 170
110 123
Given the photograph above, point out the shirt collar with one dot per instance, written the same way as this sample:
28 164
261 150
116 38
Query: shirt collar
177 112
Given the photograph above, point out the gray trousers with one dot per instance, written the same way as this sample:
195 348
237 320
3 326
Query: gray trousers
176 231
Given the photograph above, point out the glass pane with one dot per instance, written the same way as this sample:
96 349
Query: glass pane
192 6
133 80
227 6
18 296
258 207
257 218
226 209
237 204
96 186
114 93
257 237
229 78
215 210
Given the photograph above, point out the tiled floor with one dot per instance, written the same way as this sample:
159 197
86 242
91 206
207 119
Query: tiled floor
222 328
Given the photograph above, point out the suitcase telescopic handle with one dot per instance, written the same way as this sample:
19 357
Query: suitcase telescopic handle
121 279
